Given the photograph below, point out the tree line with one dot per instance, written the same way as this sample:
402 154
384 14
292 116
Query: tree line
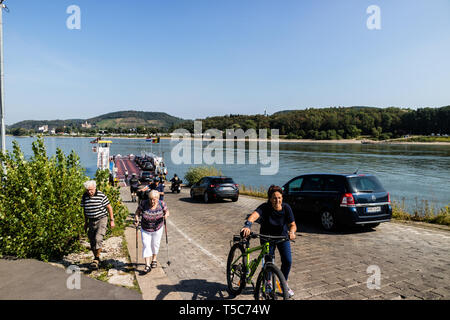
337 123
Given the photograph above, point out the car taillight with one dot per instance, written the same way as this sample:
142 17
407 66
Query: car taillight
236 185
389 198
212 186
348 200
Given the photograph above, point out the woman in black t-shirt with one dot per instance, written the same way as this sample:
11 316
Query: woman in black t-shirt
277 219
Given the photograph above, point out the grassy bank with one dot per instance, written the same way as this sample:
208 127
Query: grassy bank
260 192
423 211
423 139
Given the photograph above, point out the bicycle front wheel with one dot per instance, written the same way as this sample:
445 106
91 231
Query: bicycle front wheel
236 269
271 284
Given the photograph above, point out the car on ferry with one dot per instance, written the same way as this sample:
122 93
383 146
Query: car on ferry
215 188
146 177
148 166
339 199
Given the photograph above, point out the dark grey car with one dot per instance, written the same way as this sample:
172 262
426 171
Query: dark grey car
215 188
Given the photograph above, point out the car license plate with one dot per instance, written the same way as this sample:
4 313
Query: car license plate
373 209
226 188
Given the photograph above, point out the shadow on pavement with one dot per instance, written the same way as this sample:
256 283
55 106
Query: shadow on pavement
313 227
189 200
105 265
200 201
201 289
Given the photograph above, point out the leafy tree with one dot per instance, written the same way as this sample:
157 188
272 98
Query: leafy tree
19 132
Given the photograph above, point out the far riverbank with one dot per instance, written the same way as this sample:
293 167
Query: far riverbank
306 141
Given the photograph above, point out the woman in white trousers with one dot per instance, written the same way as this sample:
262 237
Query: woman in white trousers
153 213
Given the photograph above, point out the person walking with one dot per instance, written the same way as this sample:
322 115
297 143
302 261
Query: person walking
158 185
277 219
152 212
134 184
96 207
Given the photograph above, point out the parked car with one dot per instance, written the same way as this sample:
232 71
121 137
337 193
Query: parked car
147 166
339 199
215 188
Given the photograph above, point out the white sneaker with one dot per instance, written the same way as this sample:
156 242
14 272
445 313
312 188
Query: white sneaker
290 293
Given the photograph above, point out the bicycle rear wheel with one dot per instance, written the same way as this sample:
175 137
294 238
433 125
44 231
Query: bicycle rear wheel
236 269
271 284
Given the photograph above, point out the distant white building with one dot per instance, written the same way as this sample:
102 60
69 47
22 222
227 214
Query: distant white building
86 125
43 129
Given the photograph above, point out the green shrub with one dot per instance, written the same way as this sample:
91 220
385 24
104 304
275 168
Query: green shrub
194 174
40 213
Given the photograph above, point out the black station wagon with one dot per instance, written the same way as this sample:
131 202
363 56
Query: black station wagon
339 199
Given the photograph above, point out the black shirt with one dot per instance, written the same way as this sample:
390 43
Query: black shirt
134 182
275 223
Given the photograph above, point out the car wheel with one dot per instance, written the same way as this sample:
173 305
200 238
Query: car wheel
235 199
328 221
205 197
192 194
371 225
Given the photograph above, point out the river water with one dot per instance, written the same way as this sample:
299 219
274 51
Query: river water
412 174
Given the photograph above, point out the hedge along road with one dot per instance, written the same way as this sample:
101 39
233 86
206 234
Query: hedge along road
411 262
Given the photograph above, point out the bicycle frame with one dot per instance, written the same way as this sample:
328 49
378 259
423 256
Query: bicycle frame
264 248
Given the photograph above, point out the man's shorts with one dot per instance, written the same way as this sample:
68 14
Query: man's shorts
133 189
97 231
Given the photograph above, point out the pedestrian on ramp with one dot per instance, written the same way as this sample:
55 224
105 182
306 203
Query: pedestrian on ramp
153 212
96 208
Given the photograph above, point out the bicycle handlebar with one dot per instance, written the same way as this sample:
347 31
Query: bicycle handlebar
268 237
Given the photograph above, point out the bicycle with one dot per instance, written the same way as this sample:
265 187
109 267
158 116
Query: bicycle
271 284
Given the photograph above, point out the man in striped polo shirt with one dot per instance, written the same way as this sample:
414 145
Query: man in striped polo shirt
96 208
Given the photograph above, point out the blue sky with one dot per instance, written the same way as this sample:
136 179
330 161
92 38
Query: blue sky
198 58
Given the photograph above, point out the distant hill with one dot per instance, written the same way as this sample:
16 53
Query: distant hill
121 119
133 119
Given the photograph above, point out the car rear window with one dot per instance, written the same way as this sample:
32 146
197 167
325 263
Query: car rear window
365 184
332 184
222 180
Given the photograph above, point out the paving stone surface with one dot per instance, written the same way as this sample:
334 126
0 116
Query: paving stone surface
413 262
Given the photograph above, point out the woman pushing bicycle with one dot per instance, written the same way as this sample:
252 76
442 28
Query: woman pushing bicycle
277 219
